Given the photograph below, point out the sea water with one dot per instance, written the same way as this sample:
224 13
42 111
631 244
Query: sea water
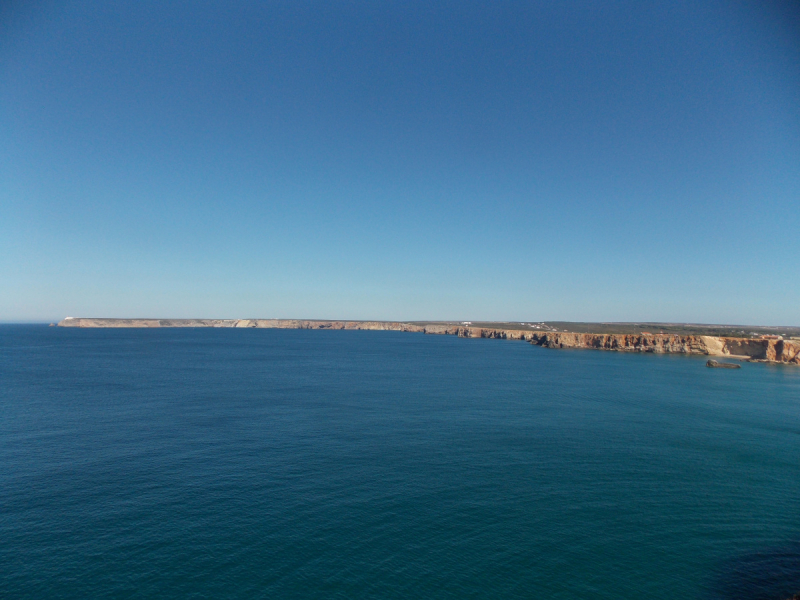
222 463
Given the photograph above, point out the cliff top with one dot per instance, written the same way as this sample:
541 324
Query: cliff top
631 328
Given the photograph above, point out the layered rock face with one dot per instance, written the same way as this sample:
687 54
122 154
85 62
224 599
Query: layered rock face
767 350
755 349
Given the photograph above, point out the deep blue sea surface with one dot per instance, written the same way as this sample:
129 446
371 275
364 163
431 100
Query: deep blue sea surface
221 463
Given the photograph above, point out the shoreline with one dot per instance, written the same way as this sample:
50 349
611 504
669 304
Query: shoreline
776 351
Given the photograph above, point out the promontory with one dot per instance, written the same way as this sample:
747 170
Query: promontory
753 343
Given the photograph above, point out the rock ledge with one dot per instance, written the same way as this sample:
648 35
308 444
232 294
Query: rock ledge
718 365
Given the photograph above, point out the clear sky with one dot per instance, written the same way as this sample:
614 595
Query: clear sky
401 160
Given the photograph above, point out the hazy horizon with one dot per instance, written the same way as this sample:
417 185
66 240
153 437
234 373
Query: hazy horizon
758 325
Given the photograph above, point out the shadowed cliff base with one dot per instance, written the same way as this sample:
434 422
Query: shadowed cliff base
695 339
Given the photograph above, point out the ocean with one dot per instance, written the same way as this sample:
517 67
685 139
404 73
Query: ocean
222 463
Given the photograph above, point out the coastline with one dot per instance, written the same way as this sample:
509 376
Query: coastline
777 351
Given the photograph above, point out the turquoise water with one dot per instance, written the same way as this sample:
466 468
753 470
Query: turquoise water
213 463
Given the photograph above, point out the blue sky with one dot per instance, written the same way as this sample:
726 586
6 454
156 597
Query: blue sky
401 160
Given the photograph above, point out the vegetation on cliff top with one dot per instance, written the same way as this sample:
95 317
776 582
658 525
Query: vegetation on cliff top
633 328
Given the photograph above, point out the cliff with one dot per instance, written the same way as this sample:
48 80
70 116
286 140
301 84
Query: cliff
755 349
768 350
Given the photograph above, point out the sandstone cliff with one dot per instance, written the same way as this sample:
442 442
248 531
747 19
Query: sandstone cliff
755 349
767 350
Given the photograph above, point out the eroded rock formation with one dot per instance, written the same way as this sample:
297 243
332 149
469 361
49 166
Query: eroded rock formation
713 364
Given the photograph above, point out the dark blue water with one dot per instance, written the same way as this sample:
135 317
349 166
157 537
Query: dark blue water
215 463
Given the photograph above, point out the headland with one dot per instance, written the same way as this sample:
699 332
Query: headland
759 344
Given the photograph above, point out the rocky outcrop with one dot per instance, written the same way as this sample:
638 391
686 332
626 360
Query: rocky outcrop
754 349
713 364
